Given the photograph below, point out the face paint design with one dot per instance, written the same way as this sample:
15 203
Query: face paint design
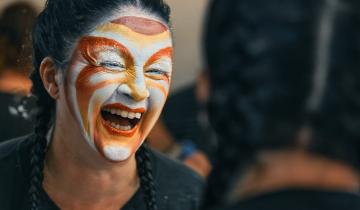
117 83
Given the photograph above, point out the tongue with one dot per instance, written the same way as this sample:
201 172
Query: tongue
112 118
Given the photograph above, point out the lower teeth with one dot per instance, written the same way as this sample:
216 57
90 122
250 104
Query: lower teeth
120 127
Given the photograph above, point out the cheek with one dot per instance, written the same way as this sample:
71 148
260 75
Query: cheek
71 91
93 88
158 94
96 100
157 99
155 104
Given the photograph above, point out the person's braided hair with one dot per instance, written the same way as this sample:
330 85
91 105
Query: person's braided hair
146 177
267 61
45 106
39 146
55 33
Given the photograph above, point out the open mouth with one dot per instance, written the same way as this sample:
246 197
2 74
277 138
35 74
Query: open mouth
121 119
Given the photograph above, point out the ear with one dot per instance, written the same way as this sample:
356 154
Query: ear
48 76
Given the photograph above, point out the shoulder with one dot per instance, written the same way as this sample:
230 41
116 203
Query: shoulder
176 182
8 148
12 153
12 171
298 199
175 173
8 159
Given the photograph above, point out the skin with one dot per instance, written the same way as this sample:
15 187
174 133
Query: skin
140 82
79 149
277 170
295 168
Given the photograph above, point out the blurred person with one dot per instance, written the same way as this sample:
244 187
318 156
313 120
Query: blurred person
102 73
182 132
284 101
15 60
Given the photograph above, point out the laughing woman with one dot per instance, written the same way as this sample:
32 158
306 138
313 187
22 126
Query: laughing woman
102 71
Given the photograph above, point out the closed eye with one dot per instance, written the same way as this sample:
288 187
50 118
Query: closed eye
156 71
157 74
159 69
113 65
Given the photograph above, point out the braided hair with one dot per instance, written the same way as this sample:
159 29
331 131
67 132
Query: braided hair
279 66
55 33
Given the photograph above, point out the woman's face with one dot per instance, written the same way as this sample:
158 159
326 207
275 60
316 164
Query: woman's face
117 83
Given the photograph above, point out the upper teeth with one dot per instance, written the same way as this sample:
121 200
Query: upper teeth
124 114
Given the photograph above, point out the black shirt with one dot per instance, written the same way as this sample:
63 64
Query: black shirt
11 125
300 199
178 188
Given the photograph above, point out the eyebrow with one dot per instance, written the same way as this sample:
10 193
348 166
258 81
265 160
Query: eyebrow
165 52
88 46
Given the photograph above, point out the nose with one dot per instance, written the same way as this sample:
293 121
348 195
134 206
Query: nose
139 91
135 90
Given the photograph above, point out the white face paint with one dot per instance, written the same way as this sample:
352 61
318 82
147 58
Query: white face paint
118 82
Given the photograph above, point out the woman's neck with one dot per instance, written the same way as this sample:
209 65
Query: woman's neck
295 169
75 183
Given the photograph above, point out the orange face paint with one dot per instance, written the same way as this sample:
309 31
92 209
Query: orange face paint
110 89
142 25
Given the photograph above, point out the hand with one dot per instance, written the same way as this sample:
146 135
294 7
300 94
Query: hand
199 162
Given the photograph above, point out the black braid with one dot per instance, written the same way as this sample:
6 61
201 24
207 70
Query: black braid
240 62
44 111
146 177
37 158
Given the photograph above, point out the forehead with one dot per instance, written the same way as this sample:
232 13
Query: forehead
138 34
141 25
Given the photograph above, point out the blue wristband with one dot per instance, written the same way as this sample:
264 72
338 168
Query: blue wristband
187 148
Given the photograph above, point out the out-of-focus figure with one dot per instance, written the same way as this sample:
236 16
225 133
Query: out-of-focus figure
183 132
15 63
285 104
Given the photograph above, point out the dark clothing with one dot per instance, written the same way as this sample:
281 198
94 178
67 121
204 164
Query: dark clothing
11 125
300 199
181 111
178 188
182 115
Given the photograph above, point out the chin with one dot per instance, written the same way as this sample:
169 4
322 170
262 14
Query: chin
116 153
115 147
